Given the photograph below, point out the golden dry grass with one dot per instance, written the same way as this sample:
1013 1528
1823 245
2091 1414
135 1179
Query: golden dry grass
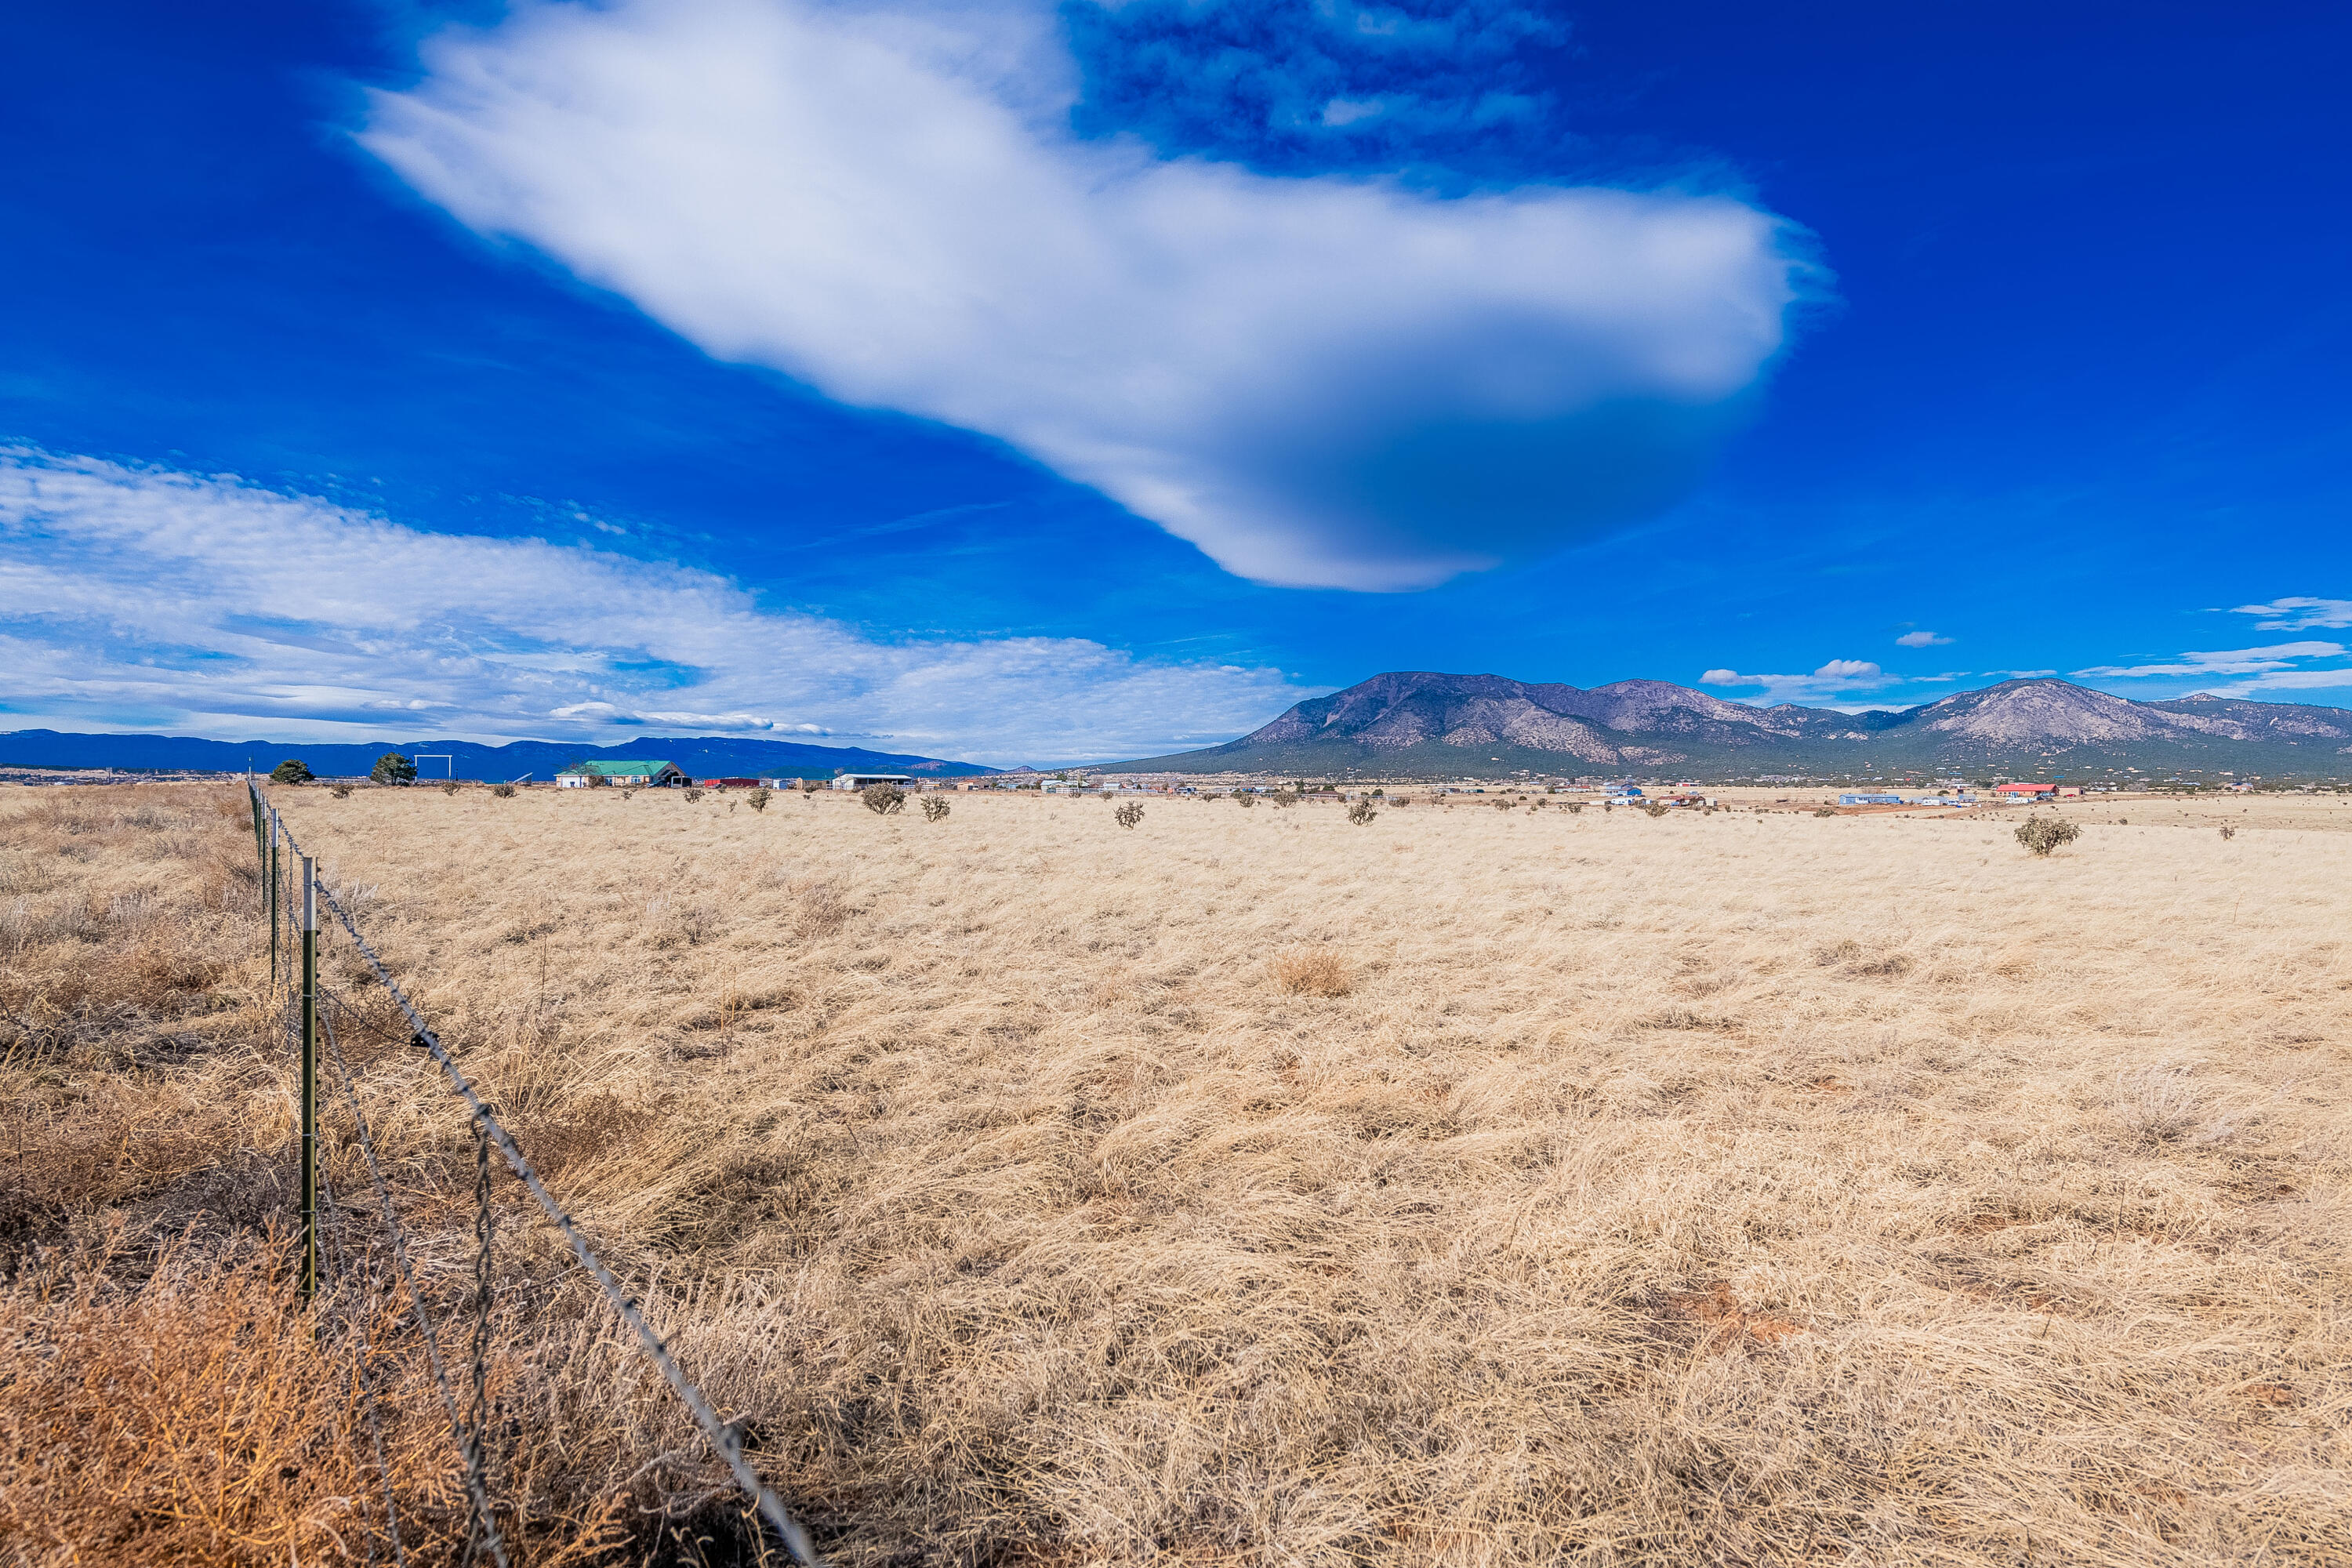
1725 1188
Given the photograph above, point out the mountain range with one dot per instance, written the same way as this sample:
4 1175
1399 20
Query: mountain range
1420 725
705 756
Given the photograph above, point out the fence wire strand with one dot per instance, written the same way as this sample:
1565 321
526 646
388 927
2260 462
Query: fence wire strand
475 1488
491 1133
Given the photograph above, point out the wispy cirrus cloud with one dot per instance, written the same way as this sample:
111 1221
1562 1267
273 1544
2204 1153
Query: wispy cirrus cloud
1836 683
1330 381
2276 657
143 599
2298 615
1922 639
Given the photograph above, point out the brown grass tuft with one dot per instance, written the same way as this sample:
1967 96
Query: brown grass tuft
1316 971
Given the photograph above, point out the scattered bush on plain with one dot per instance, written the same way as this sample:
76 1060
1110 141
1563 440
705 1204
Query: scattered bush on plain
448 786
503 790
883 799
340 789
758 799
1129 814
2228 832
692 792
1362 813
2042 834
935 808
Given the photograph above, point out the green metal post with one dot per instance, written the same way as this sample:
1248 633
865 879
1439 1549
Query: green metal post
276 967
309 1080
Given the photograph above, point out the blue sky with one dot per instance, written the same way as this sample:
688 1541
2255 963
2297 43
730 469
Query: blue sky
1028 384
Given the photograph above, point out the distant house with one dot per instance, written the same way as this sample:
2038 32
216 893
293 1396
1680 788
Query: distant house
730 784
623 774
2025 791
861 781
1869 800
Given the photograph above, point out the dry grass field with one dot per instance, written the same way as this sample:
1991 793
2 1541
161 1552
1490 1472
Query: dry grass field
1474 1186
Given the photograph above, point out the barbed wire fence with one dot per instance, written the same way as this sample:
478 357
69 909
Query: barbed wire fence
311 1011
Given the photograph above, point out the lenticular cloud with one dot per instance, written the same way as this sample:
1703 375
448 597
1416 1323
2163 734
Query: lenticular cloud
1327 381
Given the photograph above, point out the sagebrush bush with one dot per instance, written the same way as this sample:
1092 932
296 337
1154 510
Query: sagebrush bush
503 790
692 792
2228 832
935 808
1129 814
883 799
1244 798
450 786
1362 813
758 799
1653 809
2042 834
340 789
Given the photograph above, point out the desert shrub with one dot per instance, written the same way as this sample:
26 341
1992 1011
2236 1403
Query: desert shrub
810 787
1503 806
448 786
292 770
2229 832
1244 798
340 789
693 793
1314 971
503 790
2042 834
1575 806
1826 811
935 808
630 792
392 768
1129 814
758 799
1283 797
1651 808
883 799
1362 813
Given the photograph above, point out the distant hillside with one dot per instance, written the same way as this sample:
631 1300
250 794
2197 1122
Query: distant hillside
1419 724
703 756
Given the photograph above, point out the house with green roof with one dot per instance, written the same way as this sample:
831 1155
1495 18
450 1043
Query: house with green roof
623 774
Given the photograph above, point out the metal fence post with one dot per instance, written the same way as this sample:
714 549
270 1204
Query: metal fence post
277 968
309 1080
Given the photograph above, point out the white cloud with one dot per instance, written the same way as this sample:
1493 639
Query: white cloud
2299 615
1922 639
2232 661
1324 381
1840 678
139 599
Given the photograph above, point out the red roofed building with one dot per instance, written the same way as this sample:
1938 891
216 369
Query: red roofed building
2027 791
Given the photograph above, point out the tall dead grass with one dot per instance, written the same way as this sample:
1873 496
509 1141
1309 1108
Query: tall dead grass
1723 1188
